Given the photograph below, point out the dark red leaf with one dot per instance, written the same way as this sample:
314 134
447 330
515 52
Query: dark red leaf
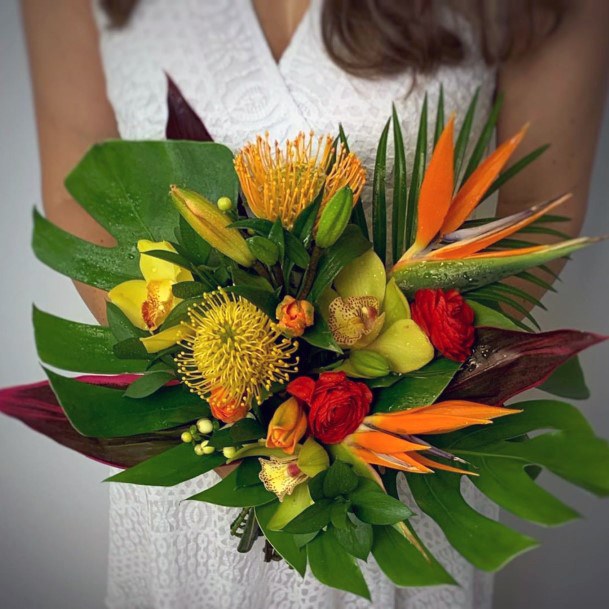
183 122
37 407
505 363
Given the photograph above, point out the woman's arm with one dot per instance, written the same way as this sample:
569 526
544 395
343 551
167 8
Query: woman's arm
72 111
560 88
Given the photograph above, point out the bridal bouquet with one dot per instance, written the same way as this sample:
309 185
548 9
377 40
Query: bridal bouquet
256 319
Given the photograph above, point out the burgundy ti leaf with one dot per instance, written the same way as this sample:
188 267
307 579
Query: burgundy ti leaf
37 407
182 121
505 363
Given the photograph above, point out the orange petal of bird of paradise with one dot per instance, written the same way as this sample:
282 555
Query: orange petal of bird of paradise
402 461
436 190
379 441
442 417
468 247
425 462
476 186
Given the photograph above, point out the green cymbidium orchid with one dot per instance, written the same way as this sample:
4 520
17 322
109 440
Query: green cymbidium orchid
364 312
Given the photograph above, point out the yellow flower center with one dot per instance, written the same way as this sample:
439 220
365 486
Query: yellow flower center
281 476
234 345
158 304
280 183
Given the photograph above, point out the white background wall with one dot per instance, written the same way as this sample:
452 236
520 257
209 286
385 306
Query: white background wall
53 506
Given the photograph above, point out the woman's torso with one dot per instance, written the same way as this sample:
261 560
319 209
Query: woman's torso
164 553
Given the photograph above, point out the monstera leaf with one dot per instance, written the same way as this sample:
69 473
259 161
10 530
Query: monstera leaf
124 186
502 455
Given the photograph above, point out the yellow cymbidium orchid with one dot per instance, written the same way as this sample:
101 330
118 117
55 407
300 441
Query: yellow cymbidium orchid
147 302
363 311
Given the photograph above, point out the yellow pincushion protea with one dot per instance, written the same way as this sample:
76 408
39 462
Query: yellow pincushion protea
280 182
232 345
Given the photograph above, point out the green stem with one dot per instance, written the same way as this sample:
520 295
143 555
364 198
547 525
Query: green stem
262 271
250 533
307 282
278 274
237 522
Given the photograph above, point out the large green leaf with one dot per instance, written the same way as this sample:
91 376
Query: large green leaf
92 264
485 316
507 483
284 543
568 381
79 347
169 468
104 412
334 566
570 451
124 186
356 537
417 388
228 493
484 542
403 563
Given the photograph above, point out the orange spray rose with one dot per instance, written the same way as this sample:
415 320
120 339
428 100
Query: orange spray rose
293 316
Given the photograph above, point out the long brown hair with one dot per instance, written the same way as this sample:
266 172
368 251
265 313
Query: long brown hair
372 38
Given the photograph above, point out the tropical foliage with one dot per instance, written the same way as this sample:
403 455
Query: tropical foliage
256 318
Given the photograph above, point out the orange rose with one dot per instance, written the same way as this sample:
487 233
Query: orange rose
294 316
288 425
224 407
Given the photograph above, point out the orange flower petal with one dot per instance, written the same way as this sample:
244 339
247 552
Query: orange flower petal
436 190
383 442
435 465
462 249
442 417
401 461
478 183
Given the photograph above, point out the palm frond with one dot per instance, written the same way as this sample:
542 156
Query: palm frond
483 140
418 171
399 209
464 134
439 117
379 202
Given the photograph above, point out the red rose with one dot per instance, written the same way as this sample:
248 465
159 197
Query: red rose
337 405
447 320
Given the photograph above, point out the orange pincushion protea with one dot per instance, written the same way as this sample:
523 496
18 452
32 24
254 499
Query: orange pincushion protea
280 182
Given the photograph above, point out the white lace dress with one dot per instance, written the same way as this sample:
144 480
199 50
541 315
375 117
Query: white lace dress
169 554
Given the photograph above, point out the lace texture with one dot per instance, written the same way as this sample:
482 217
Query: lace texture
166 553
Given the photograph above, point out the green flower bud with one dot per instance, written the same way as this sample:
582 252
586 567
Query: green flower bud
199 450
186 437
208 450
205 426
229 451
334 218
211 224
369 364
263 249
224 204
